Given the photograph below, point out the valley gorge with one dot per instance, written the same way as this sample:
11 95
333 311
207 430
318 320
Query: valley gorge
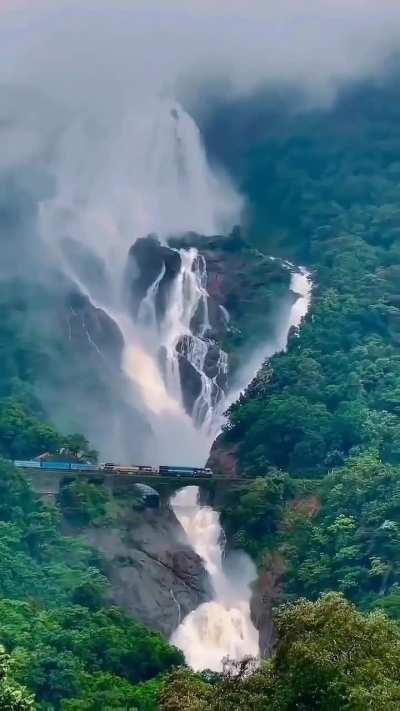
154 572
199 355
149 341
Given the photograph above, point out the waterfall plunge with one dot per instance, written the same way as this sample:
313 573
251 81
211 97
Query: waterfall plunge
115 183
223 626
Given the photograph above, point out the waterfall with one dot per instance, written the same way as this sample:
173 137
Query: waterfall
183 332
222 627
116 183
291 317
187 297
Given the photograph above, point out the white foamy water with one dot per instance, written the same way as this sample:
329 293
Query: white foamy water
114 184
300 285
222 627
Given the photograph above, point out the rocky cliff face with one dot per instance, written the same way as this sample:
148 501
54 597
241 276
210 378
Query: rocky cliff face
154 575
150 261
267 591
74 351
245 292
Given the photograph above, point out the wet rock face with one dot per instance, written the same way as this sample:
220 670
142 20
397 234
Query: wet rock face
154 575
91 328
78 373
190 379
223 459
267 592
146 261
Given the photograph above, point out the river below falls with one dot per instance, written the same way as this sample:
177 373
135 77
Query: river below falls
221 627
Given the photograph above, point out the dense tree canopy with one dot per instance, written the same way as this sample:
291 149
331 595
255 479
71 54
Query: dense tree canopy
66 647
336 389
329 657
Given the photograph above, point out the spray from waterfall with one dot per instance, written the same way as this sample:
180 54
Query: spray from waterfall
115 183
222 627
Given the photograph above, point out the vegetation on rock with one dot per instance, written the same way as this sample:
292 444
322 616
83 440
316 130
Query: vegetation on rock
65 645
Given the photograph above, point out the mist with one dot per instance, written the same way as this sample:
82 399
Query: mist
112 52
100 146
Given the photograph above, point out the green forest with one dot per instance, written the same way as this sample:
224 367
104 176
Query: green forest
321 425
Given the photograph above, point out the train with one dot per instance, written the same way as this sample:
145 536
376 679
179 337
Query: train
166 471
59 465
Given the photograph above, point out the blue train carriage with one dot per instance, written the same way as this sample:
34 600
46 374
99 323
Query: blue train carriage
51 465
26 464
194 472
81 467
54 465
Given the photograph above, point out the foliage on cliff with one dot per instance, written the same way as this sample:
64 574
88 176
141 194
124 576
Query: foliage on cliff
329 656
13 696
320 426
65 646
336 390
25 431
343 536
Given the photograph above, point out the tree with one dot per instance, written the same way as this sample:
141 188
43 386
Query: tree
329 657
13 696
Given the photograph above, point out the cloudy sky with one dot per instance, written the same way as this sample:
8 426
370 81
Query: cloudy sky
105 51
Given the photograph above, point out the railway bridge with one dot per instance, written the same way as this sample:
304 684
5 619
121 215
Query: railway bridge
48 483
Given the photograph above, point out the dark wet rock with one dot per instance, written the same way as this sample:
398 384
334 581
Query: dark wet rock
212 364
191 378
147 258
154 575
191 383
223 459
91 328
90 269
267 592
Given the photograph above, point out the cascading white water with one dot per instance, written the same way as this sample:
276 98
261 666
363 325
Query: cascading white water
300 285
187 296
222 627
115 183
175 336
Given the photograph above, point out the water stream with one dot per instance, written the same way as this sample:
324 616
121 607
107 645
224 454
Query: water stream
223 627
114 184
119 182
